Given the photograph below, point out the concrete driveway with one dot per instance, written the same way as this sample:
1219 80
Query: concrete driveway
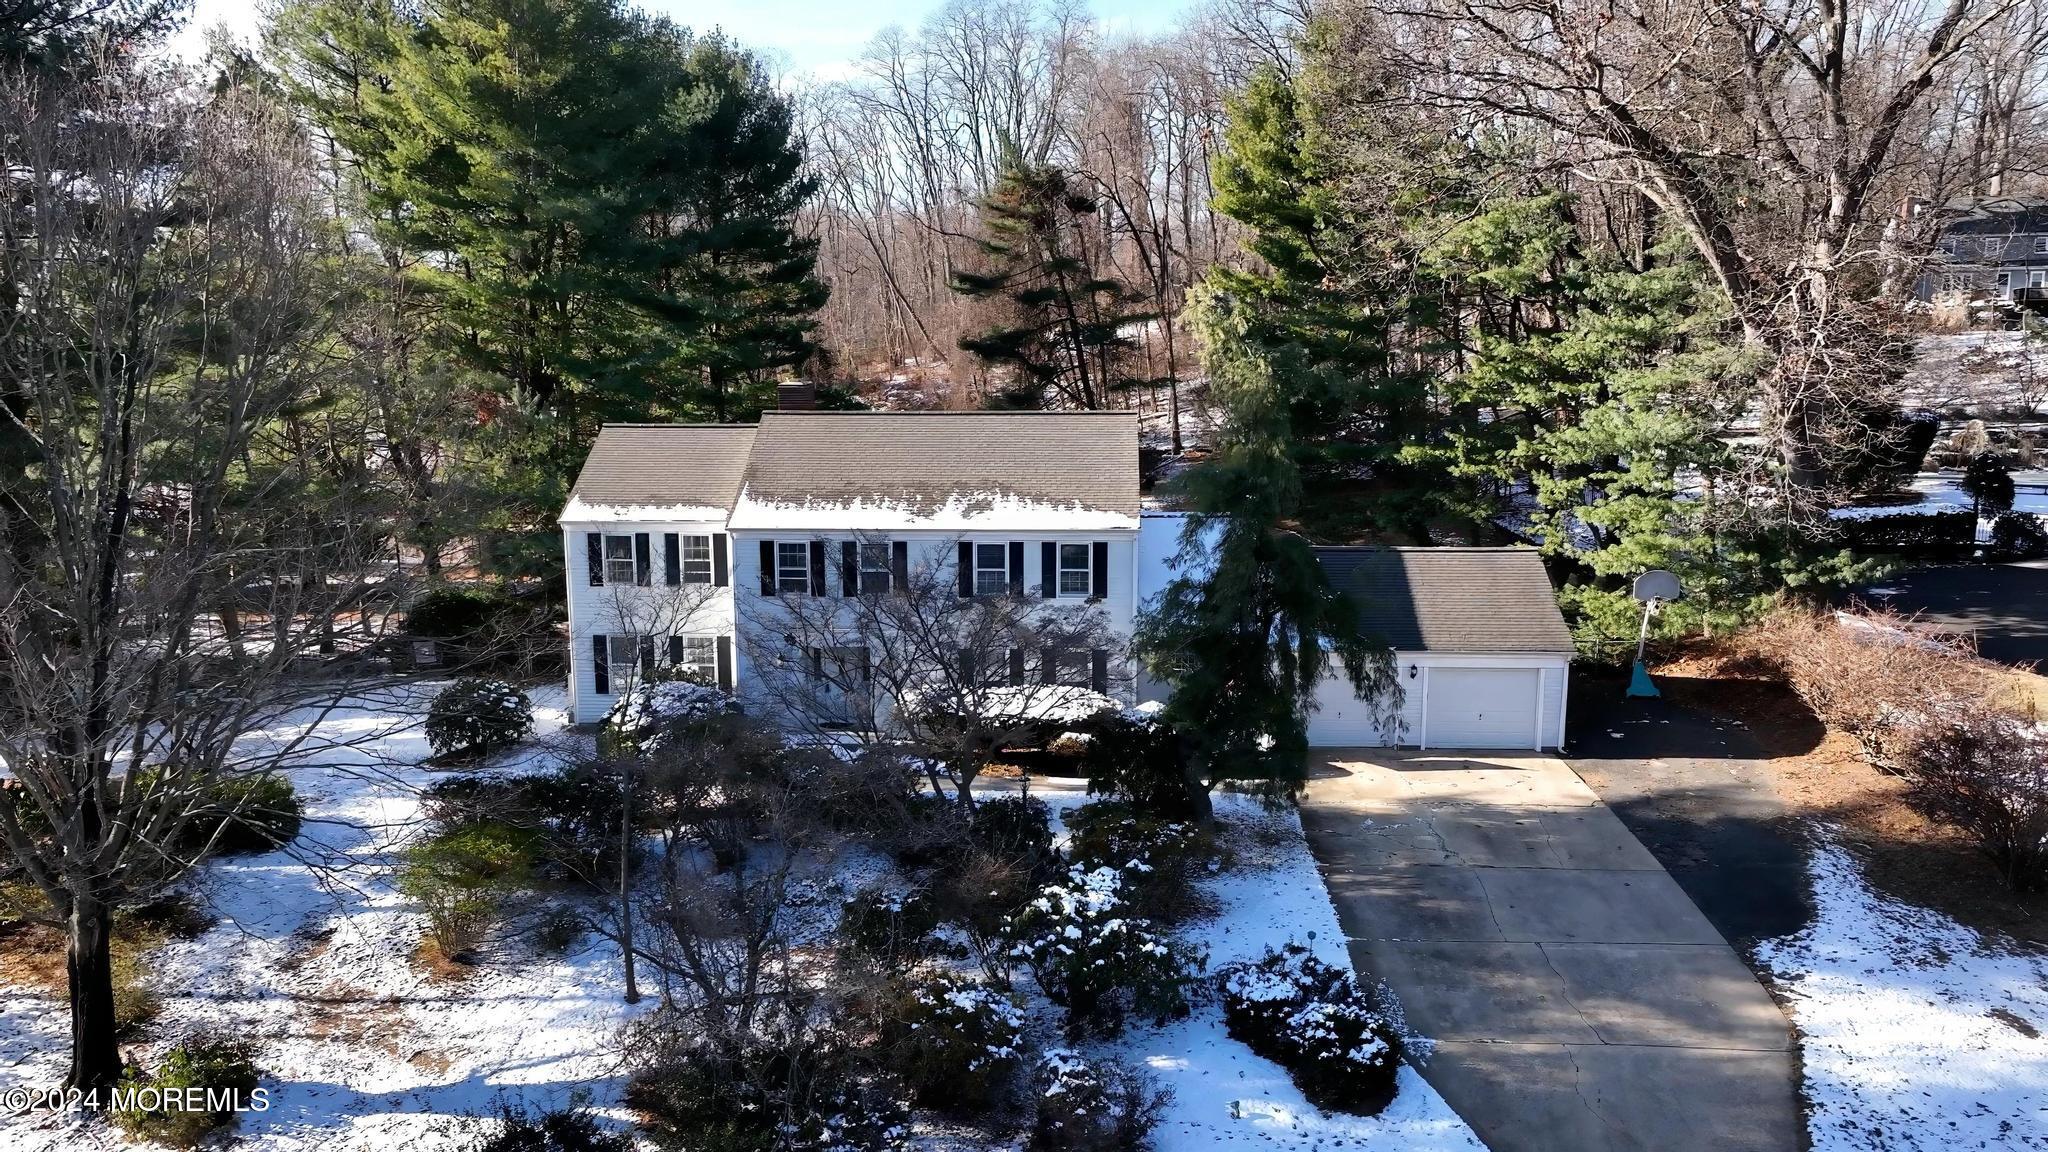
1577 999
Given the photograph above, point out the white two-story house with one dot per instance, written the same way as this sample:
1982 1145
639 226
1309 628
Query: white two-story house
682 538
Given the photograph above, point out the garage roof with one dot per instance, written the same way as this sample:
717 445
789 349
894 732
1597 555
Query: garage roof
1478 600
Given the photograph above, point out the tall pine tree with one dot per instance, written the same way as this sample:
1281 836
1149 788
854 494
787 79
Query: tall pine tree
1064 320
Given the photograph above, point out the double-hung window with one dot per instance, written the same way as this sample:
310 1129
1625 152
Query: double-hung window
991 569
1993 246
1076 577
2037 279
875 569
2041 245
1071 667
696 657
624 652
696 559
619 567
793 566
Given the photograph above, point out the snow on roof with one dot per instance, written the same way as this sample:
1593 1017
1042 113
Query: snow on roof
959 513
579 511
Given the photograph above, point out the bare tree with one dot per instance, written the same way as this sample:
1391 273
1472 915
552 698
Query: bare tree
168 296
914 664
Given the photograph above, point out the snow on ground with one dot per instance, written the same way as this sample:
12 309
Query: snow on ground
1918 1033
1977 371
363 1051
1226 1098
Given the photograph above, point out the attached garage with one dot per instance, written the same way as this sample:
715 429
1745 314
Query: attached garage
1481 651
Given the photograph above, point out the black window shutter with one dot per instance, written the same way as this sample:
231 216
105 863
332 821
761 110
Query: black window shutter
817 567
768 568
1016 567
647 657
600 666
867 666
1049 569
593 546
899 565
966 568
675 651
1101 566
671 559
643 559
725 663
1016 667
720 576
966 667
817 663
1098 674
849 568
1048 666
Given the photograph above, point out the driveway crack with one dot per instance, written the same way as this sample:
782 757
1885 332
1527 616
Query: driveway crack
1564 992
1579 1090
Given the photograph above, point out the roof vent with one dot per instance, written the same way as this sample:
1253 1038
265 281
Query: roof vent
796 396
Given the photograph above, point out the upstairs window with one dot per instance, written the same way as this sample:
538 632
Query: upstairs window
793 567
696 559
875 569
2041 245
991 569
618 561
1993 246
1076 576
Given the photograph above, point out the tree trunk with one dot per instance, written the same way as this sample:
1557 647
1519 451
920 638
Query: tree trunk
89 962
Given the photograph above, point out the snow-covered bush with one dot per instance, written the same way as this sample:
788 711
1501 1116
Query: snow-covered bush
1093 1107
1341 1042
476 716
1160 859
656 711
1016 828
956 1043
220 1069
1096 958
1986 773
892 924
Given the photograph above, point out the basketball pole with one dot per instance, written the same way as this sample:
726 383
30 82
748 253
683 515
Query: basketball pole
1639 683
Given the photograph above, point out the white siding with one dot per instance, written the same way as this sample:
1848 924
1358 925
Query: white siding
683 610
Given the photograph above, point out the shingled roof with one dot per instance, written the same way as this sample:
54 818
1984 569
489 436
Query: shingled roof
1477 600
945 469
691 471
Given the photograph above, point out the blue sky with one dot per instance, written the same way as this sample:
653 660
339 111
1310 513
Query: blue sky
815 36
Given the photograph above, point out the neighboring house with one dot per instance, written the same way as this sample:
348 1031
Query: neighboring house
1993 250
1480 648
680 538
719 547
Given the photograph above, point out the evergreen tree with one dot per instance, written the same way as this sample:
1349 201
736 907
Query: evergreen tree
1246 631
593 209
1065 317
1988 482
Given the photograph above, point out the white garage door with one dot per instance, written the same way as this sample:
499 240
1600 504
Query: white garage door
1481 708
1341 720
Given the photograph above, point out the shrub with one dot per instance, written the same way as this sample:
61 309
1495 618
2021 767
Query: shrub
1341 1043
1136 757
1016 828
893 925
656 711
1084 1107
1911 532
558 931
254 813
956 1043
1096 959
475 716
459 876
222 1071
810 1092
1988 482
563 1130
1987 774
456 612
1872 675
2018 536
1160 860
571 813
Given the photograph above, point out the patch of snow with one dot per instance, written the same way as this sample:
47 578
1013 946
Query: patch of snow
961 512
1918 1033
578 511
